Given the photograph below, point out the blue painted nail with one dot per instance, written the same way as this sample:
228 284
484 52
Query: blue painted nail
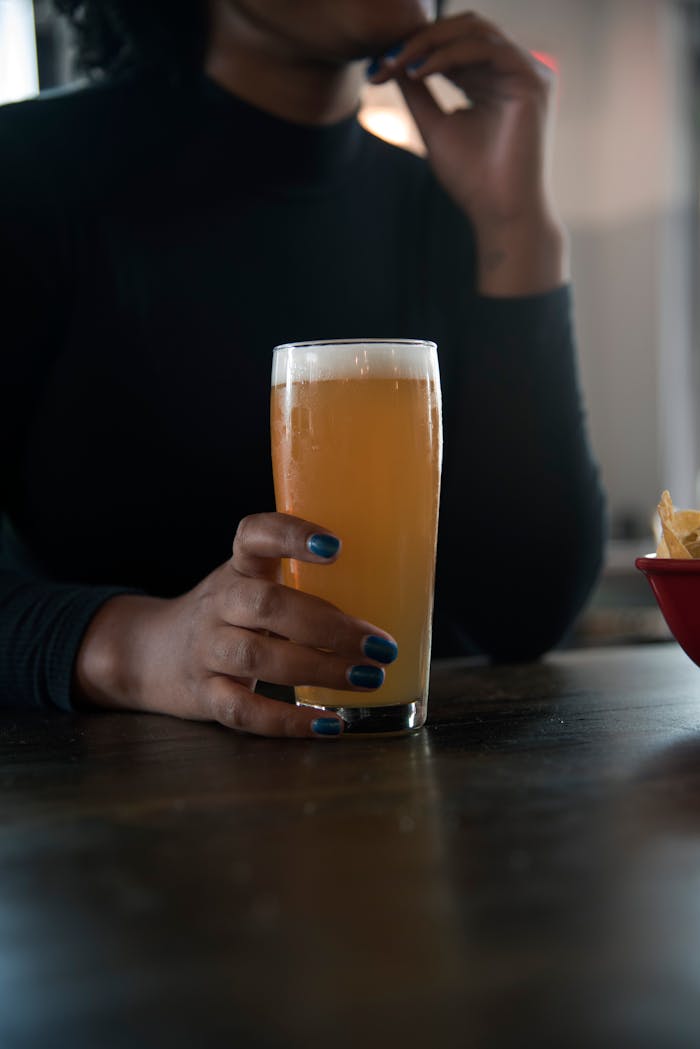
393 52
376 63
327 726
380 648
415 66
366 677
323 545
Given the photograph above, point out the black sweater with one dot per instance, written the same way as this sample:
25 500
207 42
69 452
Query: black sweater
156 243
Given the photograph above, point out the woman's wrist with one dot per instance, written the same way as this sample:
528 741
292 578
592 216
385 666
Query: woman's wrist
526 256
110 664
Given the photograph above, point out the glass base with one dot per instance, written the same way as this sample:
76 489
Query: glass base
396 720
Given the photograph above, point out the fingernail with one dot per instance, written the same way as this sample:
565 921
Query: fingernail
327 726
376 63
392 53
415 66
366 677
323 545
380 648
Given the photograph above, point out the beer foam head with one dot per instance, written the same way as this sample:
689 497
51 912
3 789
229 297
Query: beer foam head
353 359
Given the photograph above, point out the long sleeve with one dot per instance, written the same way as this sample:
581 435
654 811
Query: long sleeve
41 628
42 622
523 509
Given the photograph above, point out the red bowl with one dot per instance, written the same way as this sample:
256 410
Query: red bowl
676 586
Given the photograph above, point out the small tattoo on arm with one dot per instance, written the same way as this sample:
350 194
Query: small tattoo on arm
493 260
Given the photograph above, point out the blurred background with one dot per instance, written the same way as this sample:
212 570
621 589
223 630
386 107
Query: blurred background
627 179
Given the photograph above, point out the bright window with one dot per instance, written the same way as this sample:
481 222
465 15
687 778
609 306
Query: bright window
18 67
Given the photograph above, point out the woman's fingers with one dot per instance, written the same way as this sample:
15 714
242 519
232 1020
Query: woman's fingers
435 35
283 636
424 107
234 706
262 604
262 539
466 52
455 43
255 601
241 653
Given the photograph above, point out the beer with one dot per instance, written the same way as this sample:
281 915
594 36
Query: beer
357 446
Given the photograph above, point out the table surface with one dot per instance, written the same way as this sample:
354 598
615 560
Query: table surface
525 871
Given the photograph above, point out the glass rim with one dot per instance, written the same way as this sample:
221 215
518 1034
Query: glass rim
319 343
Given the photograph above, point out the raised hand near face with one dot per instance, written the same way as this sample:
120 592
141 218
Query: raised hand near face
492 156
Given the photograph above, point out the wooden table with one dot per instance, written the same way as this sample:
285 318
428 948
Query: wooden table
524 872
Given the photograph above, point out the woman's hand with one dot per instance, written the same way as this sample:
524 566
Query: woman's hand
199 656
491 158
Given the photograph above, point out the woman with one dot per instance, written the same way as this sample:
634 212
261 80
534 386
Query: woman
208 197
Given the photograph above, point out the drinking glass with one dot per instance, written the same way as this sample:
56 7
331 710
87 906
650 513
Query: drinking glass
357 448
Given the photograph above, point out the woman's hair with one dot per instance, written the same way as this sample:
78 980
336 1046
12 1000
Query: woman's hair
121 36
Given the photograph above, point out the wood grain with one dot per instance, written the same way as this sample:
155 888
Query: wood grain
524 872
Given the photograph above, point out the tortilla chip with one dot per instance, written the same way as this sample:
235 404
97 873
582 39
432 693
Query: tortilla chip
674 545
675 530
685 522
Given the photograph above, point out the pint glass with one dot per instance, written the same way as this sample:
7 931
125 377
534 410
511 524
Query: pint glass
357 448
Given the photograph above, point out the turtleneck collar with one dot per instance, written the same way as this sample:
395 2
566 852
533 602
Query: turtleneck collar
275 151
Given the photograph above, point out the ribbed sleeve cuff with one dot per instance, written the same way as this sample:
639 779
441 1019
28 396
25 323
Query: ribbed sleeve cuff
71 622
41 628
541 319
